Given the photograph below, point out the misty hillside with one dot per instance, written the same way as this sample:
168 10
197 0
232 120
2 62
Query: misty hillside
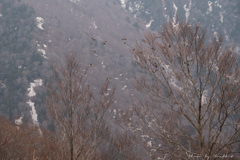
217 15
34 33
157 85
56 28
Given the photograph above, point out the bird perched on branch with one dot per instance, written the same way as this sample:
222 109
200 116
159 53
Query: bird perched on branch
143 40
133 49
124 42
90 65
105 42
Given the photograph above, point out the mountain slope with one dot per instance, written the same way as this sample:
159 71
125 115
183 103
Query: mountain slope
61 26
20 62
217 15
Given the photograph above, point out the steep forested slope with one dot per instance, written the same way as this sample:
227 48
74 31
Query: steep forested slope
218 15
33 32
19 61
37 32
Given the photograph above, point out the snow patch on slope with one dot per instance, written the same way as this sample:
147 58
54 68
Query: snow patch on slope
175 8
204 97
187 10
40 22
43 52
216 36
123 3
135 7
221 15
217 4
37 82
210 7
34 115
149 24
74 1
94 24
125 86
19 121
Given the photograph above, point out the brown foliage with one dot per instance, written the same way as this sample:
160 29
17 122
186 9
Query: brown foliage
25 142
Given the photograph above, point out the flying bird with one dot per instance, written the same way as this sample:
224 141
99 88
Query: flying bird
124 39
188 61
105 42
94 51
124 42
93 39
90 65
108 79
155 64
91 43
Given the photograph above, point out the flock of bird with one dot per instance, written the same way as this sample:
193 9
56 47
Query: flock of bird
124 42
104 43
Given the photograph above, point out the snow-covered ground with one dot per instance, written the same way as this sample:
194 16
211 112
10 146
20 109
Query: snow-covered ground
124 87
187 10
36 83
209 7
43 52
74 1
94 24
149 24
221 15
19 121
40 22
123 2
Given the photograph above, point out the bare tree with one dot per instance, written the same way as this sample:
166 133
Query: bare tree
78 116
193 89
